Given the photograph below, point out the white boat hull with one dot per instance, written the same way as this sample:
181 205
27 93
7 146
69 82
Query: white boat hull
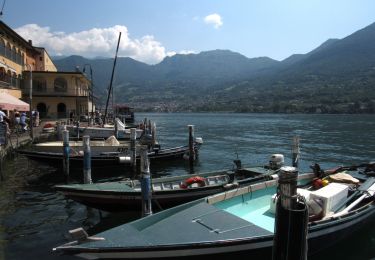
101 132
76 147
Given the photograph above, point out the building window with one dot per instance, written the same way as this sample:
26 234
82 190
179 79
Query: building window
14 54
8 51
2 47
18 58
13 79
18 83
2 74
60 85
23 59
40 85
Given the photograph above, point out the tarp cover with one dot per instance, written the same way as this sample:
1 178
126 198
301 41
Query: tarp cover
8 102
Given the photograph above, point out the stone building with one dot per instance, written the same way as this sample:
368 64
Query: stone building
53 93
57 94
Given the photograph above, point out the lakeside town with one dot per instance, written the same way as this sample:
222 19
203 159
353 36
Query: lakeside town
266 179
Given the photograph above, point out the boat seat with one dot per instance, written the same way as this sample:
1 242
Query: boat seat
167 186
239 191
217 179
157 186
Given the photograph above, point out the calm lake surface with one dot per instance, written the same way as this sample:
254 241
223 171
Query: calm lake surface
34 219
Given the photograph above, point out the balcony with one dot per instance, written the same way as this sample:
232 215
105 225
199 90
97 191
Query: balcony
9 82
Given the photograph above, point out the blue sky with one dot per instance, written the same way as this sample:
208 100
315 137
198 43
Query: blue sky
153 29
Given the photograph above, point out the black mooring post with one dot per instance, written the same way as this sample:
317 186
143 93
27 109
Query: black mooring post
290 239
86 159
66 153
191 145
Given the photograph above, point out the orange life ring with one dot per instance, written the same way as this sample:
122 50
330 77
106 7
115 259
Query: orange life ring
196 179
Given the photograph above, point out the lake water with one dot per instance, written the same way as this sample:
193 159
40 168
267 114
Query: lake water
34 219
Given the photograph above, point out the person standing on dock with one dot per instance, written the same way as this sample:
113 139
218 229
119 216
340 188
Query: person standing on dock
35 115
3 117
17 119
23 121
71 117
4 120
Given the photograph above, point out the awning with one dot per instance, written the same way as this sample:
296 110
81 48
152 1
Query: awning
8 102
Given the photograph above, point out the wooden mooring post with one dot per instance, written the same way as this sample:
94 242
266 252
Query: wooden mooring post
116 129
153 134
295 151
149 127
145 125
86 160
58 130
66 152
145 182
290 238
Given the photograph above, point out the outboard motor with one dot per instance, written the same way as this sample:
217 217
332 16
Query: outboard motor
238 164
276 161
370 169
146 139
199 140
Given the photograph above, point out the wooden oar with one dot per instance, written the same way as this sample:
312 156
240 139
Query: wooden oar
367 189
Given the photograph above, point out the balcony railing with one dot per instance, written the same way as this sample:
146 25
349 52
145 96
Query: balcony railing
51 91
10 83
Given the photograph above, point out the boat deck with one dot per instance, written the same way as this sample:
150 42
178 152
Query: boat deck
202 223
256 212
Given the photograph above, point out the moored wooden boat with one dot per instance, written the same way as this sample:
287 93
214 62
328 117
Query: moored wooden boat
76 147
100 132
166 191
101 155
235 223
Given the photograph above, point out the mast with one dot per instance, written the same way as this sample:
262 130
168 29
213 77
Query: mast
110 84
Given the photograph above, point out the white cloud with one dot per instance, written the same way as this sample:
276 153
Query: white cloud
185 52
95 42
214 19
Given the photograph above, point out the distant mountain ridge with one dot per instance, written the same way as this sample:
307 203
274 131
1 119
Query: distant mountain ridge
224 80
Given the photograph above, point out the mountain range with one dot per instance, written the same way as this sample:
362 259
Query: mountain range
336 77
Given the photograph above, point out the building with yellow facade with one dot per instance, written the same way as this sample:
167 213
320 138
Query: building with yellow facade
55 94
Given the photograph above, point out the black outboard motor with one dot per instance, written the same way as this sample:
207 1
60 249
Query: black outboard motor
238 164
319 173
370 169
276 161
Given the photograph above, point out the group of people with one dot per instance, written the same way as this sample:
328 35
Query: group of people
19 119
